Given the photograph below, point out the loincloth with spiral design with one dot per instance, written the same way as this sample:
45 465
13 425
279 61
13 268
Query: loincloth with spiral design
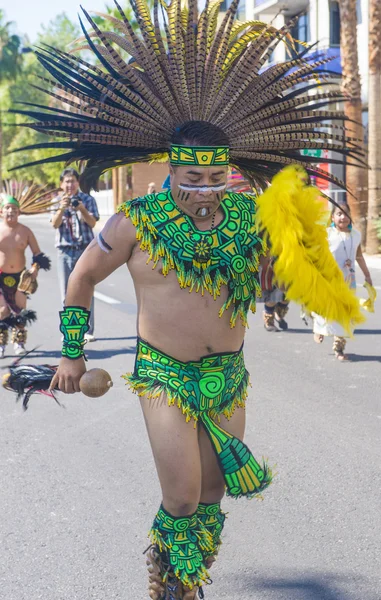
205 389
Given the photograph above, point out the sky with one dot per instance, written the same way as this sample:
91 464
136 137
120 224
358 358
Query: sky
29 16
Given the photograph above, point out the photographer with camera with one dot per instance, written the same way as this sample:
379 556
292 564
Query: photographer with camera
74 221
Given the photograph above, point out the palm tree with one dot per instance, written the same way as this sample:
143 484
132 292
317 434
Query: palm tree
356 178
10 64
374 143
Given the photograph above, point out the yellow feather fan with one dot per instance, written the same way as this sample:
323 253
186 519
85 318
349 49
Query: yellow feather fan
294 218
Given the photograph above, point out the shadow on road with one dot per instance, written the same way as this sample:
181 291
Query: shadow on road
363 358
367 331
324 586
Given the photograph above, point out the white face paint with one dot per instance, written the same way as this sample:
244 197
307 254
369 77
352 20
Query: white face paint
203 188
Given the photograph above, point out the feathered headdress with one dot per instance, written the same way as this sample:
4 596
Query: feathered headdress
32 198
185 67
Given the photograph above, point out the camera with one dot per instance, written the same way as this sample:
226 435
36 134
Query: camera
74 202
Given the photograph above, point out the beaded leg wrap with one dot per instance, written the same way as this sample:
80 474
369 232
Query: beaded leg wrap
213 519
19 335
183 541
3 333
281 311
339 344
269 321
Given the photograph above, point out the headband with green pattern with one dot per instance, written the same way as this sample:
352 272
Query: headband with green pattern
7 199
204 156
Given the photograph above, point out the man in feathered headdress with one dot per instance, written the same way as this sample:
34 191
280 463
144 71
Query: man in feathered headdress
197 95
16 282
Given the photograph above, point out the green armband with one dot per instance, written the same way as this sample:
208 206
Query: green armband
74 325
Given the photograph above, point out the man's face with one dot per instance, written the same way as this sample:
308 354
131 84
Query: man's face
187 183
10 213
70 185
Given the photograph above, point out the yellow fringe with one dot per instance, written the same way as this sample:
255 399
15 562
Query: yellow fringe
293 217
368 304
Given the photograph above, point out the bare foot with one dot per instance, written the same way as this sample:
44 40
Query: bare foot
341 356
318 338
190 594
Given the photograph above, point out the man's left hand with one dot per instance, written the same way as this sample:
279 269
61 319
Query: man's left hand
79 207
34 272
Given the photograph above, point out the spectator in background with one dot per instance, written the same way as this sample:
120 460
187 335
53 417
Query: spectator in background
74 222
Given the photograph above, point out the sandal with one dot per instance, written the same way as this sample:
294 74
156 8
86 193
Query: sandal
339 347
156 587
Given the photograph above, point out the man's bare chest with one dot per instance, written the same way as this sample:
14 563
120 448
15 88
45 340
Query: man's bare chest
12 241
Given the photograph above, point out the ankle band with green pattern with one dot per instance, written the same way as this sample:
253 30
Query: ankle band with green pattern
74 325
213 519
183 540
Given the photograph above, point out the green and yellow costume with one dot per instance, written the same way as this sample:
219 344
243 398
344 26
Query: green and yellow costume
215 385
203 260
188 68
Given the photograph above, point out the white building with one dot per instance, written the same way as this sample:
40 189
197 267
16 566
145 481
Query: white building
319 24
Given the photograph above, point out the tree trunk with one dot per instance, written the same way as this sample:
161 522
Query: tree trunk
356 178
115 188
374 143
122 185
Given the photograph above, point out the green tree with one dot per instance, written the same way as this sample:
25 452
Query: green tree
10 56
60 33
10 66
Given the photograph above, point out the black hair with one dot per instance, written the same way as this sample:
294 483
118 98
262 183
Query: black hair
344 206
69 172
199 133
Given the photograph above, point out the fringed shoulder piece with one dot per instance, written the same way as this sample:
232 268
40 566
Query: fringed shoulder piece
204 261
138 211
294 218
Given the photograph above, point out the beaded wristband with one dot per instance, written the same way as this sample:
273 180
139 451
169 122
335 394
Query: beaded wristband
74 325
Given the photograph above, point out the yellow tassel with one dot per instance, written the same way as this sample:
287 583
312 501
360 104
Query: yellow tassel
293 216
368 304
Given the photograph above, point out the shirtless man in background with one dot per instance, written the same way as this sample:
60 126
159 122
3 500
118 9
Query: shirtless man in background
15 238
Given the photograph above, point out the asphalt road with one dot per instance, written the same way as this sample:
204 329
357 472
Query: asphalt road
78 485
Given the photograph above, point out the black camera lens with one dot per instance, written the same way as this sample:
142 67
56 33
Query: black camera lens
75 202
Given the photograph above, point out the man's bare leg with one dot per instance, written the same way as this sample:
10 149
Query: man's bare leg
212 482
5 313
187 466
19 330
176 452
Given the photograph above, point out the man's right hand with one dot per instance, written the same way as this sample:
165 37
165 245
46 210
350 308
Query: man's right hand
65 202
68 374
